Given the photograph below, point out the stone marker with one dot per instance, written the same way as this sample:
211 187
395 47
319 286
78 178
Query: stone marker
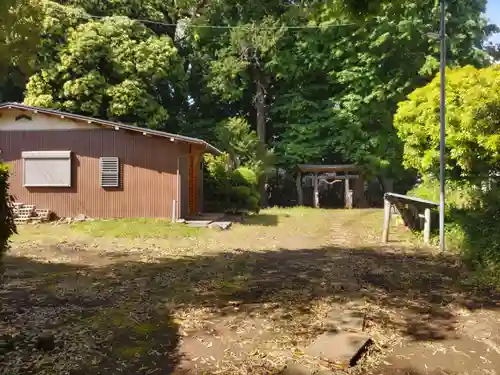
342 348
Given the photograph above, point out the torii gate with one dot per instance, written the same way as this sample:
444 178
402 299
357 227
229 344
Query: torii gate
336 173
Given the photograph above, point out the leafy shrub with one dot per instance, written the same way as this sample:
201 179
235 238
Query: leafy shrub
228 189
481 230
245 176
472 224
458 194
241 143
7 226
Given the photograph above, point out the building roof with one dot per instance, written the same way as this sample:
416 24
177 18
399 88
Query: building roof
328 168
110 124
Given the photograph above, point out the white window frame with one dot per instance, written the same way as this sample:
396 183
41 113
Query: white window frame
49 155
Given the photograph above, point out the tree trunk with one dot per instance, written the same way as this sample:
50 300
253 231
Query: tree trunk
260 108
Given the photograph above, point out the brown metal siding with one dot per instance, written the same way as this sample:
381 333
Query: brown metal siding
148 170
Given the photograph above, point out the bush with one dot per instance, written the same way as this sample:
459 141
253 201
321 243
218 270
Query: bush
245 177
472 224
228 189
458 194
7 226
480 225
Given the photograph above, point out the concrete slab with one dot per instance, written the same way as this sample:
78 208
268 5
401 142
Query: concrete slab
464 356
222 225
345 320
198 223
341 348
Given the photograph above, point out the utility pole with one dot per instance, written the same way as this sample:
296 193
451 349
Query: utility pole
442 146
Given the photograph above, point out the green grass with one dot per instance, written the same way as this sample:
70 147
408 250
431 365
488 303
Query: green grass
136 228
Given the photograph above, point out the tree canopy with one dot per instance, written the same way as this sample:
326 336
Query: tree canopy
318 82
472 128
113 68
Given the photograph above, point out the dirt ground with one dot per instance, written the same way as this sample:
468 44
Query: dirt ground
124 297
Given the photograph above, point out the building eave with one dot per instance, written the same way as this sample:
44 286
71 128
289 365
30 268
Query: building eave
111 124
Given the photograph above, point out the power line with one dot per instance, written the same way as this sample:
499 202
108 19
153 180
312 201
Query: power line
288 27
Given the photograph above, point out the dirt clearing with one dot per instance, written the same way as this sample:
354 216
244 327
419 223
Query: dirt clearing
147 297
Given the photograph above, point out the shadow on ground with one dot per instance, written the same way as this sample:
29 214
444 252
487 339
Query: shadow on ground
122 312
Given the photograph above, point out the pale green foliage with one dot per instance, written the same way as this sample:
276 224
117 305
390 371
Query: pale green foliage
246 48
459 194
235 136
243 146
110 68
472 129
227 188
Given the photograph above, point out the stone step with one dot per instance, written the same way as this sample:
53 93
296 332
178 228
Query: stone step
222 225
342 348
198 223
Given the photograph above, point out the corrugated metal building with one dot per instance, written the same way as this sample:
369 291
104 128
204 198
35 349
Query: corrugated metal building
73 165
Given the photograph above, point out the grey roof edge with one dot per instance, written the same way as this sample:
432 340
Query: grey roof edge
120 125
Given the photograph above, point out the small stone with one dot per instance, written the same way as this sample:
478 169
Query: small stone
292 368
46 342
80 218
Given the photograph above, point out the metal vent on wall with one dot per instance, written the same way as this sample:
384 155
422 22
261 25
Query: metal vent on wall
110 172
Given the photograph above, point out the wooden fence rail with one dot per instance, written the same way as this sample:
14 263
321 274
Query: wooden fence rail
412 211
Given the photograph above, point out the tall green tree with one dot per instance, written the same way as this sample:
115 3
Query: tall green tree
112 68
339 86
317 81
19 35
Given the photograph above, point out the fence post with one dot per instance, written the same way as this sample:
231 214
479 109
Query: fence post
174 211
427 225
387 220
